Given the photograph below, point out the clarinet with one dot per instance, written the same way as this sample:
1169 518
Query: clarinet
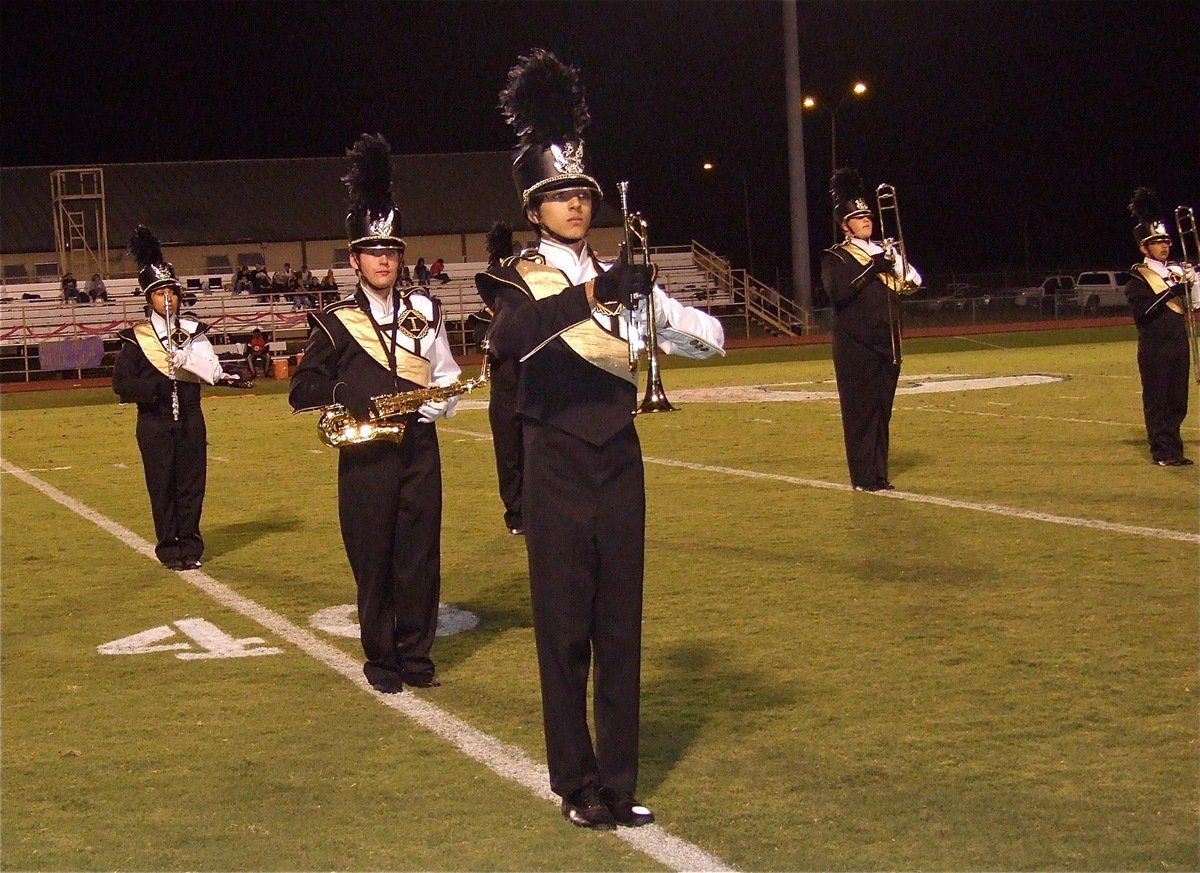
171 348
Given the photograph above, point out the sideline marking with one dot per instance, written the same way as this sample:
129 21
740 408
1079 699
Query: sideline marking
971 339
1131 424
778 393
508 762
914 497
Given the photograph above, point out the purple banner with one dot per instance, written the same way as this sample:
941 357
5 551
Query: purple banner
74 354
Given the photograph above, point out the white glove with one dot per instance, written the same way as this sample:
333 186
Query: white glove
429 412
180 357
660 311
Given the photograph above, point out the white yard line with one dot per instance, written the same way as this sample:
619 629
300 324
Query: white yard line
991 508
1060 418
506 761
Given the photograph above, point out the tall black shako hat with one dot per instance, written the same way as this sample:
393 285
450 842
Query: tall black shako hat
846 189
1150 227
544 101
153 271
373 221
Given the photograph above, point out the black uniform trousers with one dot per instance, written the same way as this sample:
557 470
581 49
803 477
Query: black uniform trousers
866 382
175 459
390 509
1164 367
507 441
585 517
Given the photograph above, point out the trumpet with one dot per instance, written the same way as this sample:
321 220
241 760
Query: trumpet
889 208
1189 250
636 234
337 428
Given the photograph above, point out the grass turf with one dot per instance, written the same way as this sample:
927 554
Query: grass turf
831 680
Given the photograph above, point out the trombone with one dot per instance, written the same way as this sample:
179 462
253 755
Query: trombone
893 244
655 399
1189 250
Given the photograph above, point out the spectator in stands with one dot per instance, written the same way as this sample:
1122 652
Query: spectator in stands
437 272
70 288
243 285
329 289
95 289
281 282
421 273
258 350
261 281
404 274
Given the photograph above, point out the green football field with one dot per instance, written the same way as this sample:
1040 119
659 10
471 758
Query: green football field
992 668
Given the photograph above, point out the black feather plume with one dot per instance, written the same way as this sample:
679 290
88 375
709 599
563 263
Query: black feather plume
544 100
370 178
145 247
1144 206
499 242
845 185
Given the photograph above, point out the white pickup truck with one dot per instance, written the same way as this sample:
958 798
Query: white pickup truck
1101 289
1043 296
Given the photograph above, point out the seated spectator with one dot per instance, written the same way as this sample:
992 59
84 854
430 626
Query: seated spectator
421 273
258 350
95 289
70 289
261 282
404 274
328 290
281 281
243 285
437 272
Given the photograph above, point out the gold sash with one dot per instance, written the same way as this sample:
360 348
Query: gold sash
1158 285
409 365
587 339
888 279
156 353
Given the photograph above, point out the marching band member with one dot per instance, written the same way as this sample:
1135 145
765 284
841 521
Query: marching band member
502 399
1157 293
384 339
560 312
866 332
160 368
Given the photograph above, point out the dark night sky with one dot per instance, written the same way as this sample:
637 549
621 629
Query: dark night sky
1014 131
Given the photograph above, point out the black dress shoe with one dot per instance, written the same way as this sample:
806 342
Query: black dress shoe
1184 462
385 687
884 485
625 809
1168 462
585 809
420 680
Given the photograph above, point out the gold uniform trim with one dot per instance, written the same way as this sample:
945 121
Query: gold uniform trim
409 365
889 279
156 353
1158 285
587 339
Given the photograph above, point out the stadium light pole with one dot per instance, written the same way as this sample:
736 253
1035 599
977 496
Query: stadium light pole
710 167
858 89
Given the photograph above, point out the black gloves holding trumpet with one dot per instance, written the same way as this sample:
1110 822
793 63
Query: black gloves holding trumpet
622 283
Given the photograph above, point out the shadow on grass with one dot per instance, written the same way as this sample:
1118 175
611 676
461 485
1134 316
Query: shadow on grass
694 690
229 538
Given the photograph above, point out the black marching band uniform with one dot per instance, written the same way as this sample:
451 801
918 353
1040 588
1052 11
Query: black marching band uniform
505 420
389 495
584 494
1157 293
171 433
861 281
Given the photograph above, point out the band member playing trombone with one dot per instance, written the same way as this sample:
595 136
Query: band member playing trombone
1158 294
563 314
385 339
859 276
160 367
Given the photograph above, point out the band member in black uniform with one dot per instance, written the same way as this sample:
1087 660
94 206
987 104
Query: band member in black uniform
160 368
564 315
384 339
502 401
858 275
1157 293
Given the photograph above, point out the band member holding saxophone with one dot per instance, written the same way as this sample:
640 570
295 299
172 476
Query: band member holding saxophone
384 340
160 367
859 276
562 314
1157 293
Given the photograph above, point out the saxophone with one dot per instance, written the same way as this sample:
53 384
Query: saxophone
337 428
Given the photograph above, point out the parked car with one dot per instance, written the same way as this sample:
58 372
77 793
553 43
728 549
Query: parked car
1101 289
1043 296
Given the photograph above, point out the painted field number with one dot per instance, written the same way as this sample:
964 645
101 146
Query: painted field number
207 641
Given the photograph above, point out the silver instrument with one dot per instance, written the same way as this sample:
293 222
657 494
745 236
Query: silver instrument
1189 251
